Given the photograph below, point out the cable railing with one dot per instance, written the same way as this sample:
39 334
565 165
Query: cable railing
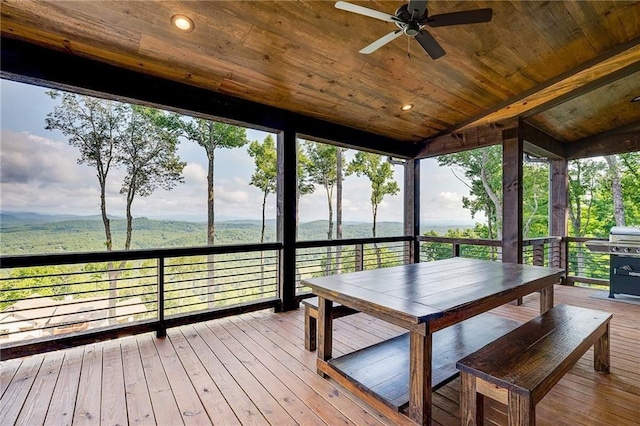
585 267
320 258
57 297
57 300
438 248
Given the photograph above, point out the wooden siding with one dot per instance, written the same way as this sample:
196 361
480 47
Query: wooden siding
253 369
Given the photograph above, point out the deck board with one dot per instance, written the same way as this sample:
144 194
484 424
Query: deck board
253 369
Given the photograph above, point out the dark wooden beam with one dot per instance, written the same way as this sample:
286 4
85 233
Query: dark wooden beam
287 209
541 144
466 140
32 64
512 151
620 140
559 174
412 208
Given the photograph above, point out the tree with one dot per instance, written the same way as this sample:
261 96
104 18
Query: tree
212 135
322 170
339 179
616 189
482 169
95 127
380 174
266 173
114 134
149 154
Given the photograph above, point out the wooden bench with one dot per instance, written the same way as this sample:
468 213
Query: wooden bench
519 368
311 320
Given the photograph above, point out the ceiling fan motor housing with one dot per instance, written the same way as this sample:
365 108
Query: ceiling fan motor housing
409 24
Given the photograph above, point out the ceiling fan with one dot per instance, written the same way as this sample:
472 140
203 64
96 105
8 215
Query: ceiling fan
412 18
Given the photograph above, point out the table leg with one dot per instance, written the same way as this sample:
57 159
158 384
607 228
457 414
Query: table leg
420 378
546 299
325 330
601 352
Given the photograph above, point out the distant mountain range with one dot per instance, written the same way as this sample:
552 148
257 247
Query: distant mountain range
32 233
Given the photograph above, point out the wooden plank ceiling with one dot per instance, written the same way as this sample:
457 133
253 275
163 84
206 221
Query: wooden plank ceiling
568 68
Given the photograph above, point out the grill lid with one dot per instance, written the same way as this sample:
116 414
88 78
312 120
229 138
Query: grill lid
624 234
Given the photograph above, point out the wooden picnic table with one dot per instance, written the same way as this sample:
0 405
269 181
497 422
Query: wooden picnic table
443 306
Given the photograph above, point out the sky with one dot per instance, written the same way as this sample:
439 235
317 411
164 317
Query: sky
39 173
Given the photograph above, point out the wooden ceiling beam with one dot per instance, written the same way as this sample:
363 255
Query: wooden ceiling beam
542 144
616 63
616 141
465 140
32 64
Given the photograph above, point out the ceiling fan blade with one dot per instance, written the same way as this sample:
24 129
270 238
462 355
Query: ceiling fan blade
343 5
419 6
458 18
429 44
381 42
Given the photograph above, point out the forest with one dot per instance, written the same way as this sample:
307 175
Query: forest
142 141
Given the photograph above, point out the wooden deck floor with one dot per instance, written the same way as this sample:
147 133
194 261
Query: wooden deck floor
253 369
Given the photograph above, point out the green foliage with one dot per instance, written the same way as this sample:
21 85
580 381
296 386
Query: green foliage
265 176
380 174
210 135
482 169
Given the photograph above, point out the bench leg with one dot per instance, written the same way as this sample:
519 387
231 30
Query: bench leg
601 352
471 402
310 327
546 299
520 410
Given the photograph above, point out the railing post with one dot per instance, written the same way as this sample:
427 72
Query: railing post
538 254
162 328
359 257
456 250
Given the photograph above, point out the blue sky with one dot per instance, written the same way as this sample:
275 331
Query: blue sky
39 173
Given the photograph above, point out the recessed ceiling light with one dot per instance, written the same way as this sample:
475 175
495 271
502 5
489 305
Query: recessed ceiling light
636 99
406 107
183 23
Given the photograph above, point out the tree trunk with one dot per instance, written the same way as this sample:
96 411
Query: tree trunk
492 195
338 208
329 232
375 245
616 189
210 228
264 203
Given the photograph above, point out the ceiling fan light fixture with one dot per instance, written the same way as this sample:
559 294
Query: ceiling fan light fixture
406 107
183 23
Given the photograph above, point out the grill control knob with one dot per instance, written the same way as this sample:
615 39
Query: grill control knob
614 249
638 250
626 250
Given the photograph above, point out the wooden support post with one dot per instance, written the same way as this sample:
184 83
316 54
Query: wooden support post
286 217
359 257
559 171
412 209
512 152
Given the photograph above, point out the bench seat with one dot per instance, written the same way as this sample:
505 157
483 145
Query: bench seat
311 320
519 368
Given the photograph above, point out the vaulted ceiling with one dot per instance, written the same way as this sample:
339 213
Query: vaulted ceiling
569 69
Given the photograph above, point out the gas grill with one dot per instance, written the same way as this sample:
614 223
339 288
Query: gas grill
624 260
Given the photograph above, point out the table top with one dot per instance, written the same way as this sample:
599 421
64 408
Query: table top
420 292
